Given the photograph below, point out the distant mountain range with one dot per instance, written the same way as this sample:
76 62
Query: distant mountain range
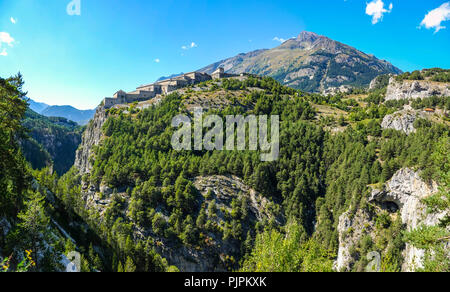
169 77
81 117
309 62
37 106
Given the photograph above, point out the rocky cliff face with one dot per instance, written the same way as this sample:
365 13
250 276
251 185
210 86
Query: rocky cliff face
402 194
217 252
401 121
406 189
91 137
351 230
310 62
413 89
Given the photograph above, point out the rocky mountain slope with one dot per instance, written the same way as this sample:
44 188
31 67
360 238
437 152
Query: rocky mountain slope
406 189
311 63
414 89
91 138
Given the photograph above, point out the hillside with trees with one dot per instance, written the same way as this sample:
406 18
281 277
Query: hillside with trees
148 207
50 142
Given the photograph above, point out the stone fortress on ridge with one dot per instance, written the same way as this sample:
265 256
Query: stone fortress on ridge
146 92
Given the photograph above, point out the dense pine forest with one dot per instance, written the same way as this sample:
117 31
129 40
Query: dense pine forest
146 207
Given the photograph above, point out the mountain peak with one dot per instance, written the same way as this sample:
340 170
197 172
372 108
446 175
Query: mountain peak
307 36
310 62
307 40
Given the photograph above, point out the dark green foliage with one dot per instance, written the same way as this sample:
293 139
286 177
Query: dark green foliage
52 141
288 251
400 150
25 209
376 96
365 74
352 164
432 102
434 74
13 172
382 82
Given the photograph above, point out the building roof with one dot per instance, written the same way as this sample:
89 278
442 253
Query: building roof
120 91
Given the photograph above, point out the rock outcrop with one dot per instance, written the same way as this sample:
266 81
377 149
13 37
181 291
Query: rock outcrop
351 230
380 81
227 188
413 89
403 194
335 90
401 121
406 190
91 137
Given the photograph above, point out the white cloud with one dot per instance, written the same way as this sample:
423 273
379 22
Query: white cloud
6 38
376 9
13 20
191 46
435 17
4 53
157 60
277 39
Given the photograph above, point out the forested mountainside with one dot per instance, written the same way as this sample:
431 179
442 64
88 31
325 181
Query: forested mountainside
357 173
29 237
311 63
50 141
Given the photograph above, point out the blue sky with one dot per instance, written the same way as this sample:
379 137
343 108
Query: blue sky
81 59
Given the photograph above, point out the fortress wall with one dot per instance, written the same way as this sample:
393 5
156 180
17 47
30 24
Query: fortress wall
150 91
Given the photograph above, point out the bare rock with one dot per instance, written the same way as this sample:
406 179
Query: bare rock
414 89
91 137
351 230
407 189
335 90
401 121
